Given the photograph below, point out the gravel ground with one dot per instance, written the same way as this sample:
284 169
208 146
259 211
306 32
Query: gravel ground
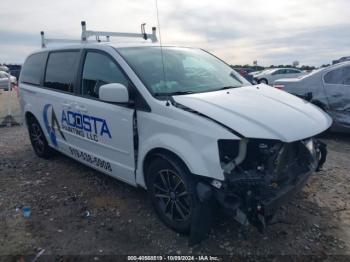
9 99
78 211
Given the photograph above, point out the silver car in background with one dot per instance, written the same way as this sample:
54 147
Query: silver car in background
269 76
4 68
328 88
4 78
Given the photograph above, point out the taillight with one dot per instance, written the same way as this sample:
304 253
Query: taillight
278 86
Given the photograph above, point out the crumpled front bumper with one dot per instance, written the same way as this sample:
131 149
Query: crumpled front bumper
254 198
284 195
251 198
256 204
246 209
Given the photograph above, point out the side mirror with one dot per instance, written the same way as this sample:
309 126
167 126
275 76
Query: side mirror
115 93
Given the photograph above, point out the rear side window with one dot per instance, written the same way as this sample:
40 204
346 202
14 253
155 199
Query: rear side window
334 77
61 70
33 69
100 69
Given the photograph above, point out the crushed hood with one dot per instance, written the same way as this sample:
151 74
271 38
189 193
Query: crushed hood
260 112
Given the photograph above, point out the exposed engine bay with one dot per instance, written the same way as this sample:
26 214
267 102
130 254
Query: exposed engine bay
260 174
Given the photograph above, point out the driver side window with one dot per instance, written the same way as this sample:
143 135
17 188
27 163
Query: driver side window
98 70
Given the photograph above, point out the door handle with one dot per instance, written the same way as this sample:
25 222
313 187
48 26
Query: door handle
66 105
81 108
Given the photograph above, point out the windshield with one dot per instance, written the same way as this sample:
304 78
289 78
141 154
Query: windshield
186 70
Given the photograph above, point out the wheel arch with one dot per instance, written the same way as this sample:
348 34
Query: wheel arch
29 115
159 152
199 155
263 79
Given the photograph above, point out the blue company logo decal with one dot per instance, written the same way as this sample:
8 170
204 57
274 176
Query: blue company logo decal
54 124
86 126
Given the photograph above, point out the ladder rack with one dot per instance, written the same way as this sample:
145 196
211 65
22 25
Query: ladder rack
86 34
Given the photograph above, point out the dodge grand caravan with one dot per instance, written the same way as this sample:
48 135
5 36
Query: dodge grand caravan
176 121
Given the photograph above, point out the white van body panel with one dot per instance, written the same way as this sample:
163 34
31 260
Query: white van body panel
43 102
192 138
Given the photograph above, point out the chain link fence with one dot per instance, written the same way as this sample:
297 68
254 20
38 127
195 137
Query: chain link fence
10 110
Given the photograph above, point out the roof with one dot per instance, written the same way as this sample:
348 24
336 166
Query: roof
90 45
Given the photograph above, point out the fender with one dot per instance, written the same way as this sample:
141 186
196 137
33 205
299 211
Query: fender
27 108
193 159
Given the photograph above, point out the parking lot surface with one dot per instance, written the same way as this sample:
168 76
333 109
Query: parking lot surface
78 211
9 101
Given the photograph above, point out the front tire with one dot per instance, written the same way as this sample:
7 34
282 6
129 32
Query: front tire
38 139
171 190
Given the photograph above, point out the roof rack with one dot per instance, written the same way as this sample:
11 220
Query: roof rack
86 34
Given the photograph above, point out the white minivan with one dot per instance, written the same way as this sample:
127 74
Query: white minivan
176 121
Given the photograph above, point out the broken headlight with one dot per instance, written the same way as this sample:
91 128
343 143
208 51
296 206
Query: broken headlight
252 154
228 150
309 144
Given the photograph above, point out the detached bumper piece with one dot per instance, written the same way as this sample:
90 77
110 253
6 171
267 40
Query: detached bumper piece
202 215
270 175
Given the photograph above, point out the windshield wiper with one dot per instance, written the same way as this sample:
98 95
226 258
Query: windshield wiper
174 93
227 87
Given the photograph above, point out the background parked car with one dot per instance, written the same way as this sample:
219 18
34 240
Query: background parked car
4 68
328 88
14 69
342 59
4 80
256 72
269 76
245 72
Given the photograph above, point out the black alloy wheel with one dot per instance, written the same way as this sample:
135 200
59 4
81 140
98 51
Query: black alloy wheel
38 139
171 191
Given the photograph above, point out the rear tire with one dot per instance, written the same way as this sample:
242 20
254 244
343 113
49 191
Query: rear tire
172 192
38 139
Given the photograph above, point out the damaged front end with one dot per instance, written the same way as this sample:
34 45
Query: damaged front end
262 174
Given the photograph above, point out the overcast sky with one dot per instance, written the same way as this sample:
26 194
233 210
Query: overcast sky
239 31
